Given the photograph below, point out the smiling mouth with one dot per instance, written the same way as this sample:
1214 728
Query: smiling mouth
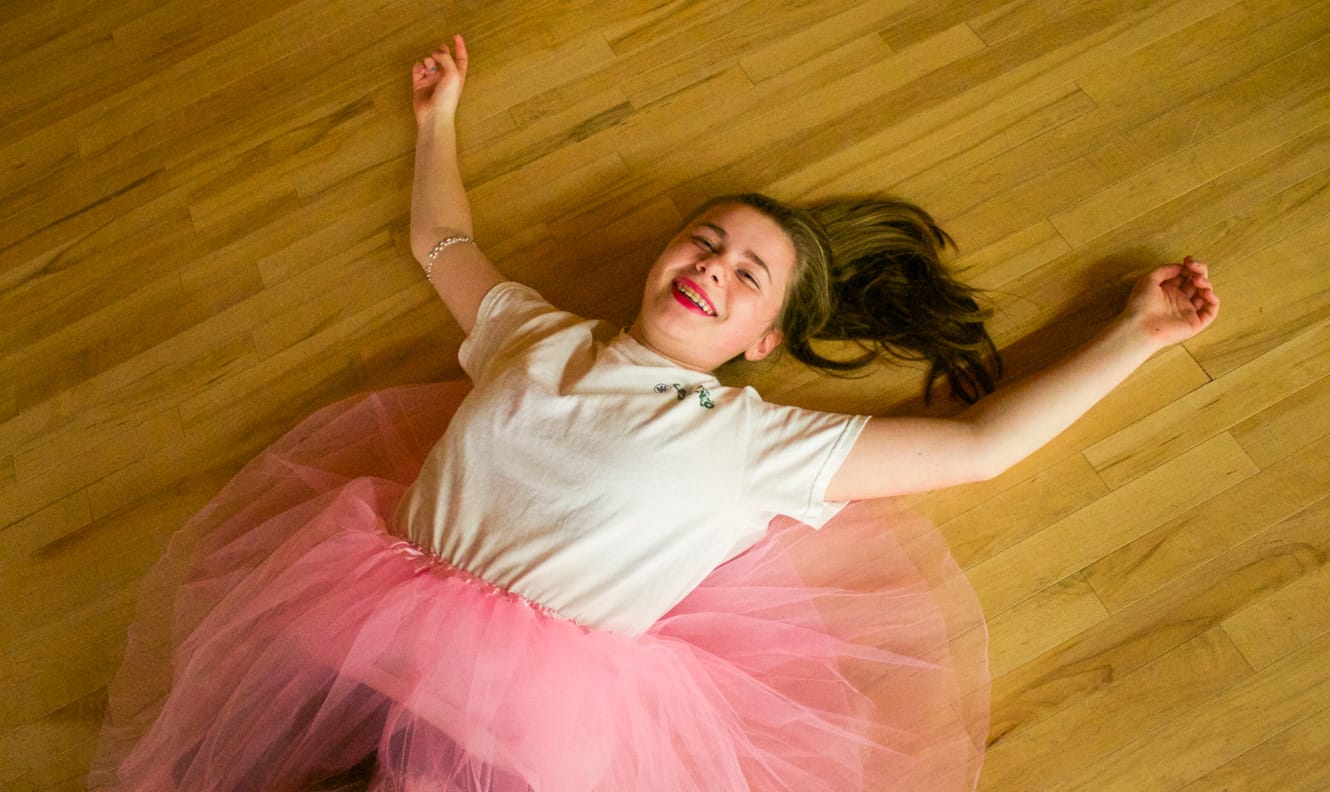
692 297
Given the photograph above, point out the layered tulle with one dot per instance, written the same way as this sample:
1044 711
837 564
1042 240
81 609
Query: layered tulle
288 641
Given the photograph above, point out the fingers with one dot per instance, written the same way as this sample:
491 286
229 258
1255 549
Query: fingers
1200 292
1196 272
1168 274
1165 272
1195 269
459 54
440 60
1190 273
1206 306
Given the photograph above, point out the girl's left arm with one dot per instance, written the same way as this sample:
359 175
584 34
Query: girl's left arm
461 273
894 456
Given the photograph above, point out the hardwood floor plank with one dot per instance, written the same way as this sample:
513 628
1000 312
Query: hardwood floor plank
1224 47
1170 65
26 24
26 752
110 268
1005 260
887 96
1047 753
1123 515
916 22
1257 134
1284 621
1138 569
26 537
928 168
151 382
96 450
1194 603
1022 510
66 670
52 584
265 40
1039 623
98 343
37 93
684 51
1285 428
837 90
307 240
1213 408
1197 94
1291 761
1220 729
858 25
527 78
304 318
1286 275
538 136
1269 629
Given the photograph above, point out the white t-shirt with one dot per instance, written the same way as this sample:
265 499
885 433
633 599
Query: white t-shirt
595 477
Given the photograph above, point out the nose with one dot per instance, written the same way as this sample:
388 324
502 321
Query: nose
713 268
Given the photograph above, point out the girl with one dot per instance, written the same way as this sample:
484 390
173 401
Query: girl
585 584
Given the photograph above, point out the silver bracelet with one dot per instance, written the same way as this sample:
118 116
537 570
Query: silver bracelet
446 242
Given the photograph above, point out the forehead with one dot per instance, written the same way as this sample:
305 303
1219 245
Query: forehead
747 229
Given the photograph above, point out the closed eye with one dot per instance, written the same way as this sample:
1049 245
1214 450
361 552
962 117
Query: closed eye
711 247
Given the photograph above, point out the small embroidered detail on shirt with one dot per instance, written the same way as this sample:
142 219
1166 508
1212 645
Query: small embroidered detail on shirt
681 393
704 397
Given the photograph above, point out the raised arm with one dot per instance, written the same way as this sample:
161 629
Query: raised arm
899 455
461 273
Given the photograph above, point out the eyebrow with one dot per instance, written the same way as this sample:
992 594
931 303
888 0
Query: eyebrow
724 235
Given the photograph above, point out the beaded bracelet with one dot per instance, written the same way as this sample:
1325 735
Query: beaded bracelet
446 242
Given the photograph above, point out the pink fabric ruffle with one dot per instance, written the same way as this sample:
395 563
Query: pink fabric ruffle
287 641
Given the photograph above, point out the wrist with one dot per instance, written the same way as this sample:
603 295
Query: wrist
436 122
1133 334
435 144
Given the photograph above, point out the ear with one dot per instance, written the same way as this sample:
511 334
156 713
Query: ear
764 345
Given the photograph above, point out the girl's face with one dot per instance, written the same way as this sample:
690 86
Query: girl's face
717 288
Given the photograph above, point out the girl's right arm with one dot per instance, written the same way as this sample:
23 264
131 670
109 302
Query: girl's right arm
894 456
461 273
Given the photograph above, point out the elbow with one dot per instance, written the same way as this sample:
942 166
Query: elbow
425 237
987 470
990 457
421 242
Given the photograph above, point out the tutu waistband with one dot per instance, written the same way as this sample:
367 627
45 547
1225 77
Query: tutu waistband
425 561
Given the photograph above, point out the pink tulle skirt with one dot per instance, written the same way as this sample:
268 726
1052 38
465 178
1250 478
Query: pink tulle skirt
288 641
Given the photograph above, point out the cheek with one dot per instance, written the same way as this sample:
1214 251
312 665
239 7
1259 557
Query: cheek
753 322
764 310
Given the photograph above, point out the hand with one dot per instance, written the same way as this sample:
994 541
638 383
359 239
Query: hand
436 83
1173 303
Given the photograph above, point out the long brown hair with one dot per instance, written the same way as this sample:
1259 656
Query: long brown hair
870 271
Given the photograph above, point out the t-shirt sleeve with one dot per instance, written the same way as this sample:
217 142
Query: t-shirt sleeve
793 454
511 316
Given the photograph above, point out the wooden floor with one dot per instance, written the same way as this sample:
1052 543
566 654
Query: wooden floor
204 238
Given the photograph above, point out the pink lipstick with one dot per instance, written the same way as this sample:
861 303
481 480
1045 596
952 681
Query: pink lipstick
690 295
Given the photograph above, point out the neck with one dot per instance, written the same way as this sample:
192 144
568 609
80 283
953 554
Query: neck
635 332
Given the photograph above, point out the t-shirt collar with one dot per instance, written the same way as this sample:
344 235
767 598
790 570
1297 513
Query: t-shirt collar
639 354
